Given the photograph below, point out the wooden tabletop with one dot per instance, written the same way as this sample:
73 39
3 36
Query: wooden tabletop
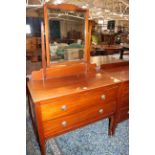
121 73
43 90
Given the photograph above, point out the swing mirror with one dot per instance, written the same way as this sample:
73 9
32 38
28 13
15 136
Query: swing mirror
65 32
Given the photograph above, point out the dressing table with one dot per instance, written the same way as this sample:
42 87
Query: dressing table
68 94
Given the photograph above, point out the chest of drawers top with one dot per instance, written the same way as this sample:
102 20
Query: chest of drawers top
56 87
121 73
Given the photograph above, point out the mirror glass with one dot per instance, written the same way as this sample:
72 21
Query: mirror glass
66 35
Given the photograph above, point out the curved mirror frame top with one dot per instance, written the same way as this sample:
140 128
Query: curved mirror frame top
66 34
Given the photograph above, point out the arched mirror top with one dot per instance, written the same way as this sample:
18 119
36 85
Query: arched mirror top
66 34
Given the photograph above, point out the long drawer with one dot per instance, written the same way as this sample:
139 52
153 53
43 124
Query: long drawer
66 123
74 103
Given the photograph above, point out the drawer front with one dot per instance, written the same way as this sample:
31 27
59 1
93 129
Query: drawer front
73 121
123 114
77 102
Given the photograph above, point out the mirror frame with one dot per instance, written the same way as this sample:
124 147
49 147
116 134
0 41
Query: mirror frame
66 7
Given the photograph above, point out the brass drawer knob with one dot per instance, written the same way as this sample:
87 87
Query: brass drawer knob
64 123
84 88
64 107
103 97
101 111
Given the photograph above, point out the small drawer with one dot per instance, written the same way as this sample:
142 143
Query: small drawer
73 121
77 102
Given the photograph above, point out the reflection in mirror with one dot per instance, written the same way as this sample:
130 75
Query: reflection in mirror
66 35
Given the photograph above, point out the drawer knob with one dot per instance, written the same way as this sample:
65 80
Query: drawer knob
64 107
103 97
84 88
101 111
64 123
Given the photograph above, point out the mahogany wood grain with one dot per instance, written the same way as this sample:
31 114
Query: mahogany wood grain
53 126
60 70
123 114
68 7
77 102
123 102
78 86
46 35
87 36
119 72
40 130
122 110
63 6
84 89
43 51
112 125
34 112
89 40
38 135
125 88
57 87
115 65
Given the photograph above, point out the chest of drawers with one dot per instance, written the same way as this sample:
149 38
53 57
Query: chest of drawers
122 73
59 107
69 112
66 95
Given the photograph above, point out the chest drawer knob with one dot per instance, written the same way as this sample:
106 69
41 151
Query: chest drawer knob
103 97
64 123
84 88
100 111
64 107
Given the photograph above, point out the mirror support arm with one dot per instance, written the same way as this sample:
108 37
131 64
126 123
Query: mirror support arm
43 50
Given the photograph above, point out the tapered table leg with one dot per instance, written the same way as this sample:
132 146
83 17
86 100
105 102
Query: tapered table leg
112 126
42 148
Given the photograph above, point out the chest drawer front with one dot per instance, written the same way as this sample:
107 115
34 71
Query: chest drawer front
62 124
77 102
